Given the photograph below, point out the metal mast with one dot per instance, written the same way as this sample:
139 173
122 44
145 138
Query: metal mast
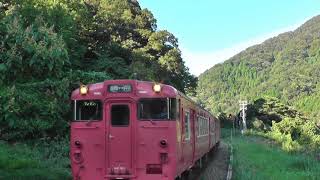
243 108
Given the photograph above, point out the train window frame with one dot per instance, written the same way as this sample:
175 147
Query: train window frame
178 108
198 125
203 126
187 136
170 105
212 127
74 110
207 126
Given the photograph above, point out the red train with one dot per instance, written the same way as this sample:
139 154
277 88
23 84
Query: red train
129 129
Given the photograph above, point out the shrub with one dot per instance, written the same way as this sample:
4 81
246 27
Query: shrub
258 124
284 124
296 134
224 120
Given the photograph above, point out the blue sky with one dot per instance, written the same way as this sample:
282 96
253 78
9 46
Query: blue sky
211 31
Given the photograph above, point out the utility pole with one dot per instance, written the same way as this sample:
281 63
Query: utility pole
243 108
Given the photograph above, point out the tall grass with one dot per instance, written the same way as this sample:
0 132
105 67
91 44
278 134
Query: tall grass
34 161
257 158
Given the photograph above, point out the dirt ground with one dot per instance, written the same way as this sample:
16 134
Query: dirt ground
216 168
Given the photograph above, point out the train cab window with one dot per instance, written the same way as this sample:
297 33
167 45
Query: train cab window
85 110
157 108
120 115
187 125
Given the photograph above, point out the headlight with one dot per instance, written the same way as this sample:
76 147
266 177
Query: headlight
157 88
84 89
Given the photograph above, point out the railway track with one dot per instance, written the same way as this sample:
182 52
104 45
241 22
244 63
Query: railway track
216 168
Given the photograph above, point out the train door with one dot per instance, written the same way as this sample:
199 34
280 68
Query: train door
120 120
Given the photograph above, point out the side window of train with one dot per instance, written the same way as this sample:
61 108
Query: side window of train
198 122
199 125
212 126
187 125
120 115
203 126
174 109
178 108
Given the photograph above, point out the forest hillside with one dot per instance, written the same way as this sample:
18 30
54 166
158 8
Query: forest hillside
286 67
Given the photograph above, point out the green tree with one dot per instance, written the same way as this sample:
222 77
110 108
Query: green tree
47 48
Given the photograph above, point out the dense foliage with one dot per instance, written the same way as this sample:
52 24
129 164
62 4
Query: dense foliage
269 117
286 67
48 47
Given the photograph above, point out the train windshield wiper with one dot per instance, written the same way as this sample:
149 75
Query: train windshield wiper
152 122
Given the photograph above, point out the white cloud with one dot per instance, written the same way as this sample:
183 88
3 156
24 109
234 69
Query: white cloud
198 62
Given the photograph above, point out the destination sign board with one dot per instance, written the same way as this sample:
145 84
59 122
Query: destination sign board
120 88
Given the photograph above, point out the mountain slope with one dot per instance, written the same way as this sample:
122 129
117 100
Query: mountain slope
286 67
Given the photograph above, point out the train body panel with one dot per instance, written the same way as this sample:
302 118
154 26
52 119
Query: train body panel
127 129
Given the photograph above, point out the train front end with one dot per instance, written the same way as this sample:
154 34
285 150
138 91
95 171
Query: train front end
124 129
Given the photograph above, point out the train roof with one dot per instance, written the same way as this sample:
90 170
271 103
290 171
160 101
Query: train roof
137 85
